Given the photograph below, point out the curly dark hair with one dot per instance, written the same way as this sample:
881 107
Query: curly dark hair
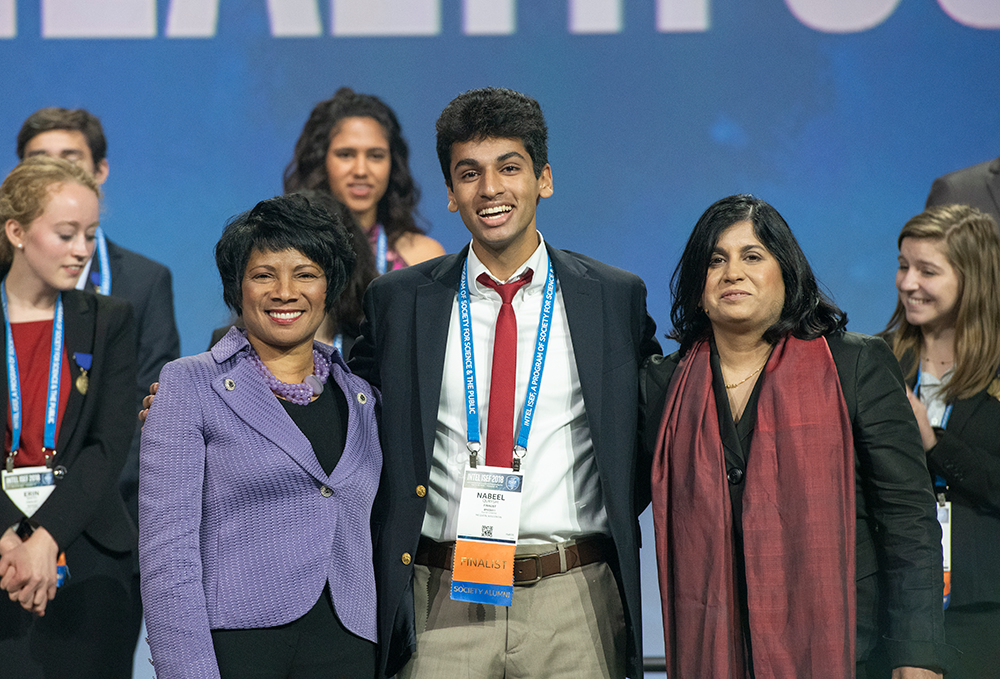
492 112
284 223
807 314
397 208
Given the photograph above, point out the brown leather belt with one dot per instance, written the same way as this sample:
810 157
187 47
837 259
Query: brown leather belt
528 568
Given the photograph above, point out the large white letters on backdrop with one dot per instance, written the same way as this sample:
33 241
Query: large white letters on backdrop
301 18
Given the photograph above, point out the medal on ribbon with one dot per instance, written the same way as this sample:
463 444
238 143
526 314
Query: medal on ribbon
83 379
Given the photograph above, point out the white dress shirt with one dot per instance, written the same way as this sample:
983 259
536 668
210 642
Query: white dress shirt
562 493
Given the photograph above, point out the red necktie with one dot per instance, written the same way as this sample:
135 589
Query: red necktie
500 424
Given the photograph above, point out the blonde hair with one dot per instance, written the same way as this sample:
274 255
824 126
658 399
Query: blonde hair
26 191
972 244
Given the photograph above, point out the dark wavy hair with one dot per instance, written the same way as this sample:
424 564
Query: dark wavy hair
492 112
347 311
397 208
807 314
284 223
74 120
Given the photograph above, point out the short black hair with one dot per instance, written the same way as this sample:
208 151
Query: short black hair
284 223
492 113
807 314
74 120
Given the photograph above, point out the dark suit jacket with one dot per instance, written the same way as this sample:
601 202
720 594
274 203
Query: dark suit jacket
95 429
967 456
978 186
401 352
898 540
146 285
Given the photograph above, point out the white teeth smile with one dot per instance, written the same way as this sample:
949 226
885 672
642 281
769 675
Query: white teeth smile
917 302
494 211
284 315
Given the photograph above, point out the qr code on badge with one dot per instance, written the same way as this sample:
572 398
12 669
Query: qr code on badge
487 531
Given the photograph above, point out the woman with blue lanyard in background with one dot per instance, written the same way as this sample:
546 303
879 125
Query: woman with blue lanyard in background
353 147
946 334
67 543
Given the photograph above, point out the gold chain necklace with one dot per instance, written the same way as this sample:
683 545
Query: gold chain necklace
733 386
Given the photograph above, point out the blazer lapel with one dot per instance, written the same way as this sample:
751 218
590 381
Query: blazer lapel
242 390
432 318
582 295
79 316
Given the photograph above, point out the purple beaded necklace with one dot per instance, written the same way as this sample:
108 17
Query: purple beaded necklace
301 393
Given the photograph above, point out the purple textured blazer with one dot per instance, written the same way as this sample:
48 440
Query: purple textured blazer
238 525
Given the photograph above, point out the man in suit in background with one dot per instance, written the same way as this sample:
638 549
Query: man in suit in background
77 135
978 186
575 604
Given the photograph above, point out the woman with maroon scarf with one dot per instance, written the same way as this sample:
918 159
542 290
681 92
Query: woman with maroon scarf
791 499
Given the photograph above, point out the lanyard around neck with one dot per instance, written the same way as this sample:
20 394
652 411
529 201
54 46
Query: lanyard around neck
947 408
102 257
14 382
381 249
469 366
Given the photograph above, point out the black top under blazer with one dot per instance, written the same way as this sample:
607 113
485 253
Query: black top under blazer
94 432
401 351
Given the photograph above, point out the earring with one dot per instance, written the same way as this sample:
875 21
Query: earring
20 246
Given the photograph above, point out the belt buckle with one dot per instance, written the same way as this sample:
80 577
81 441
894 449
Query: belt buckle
538 567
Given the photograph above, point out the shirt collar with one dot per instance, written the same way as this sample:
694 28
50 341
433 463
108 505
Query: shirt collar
538 262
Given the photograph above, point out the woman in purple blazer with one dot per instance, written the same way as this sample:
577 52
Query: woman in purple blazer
256 480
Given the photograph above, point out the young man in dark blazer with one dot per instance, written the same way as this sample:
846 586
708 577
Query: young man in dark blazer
978 186
575 608
77 135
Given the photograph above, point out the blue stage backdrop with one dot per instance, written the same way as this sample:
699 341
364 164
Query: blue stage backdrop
839 112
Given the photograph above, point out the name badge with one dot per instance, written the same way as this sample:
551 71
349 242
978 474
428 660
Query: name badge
28 487
488 519
944 518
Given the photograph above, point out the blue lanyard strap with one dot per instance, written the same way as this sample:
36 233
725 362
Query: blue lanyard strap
14 381
102 257
947 408
940 483
469 365
381 249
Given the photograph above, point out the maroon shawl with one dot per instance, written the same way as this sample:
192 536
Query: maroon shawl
798 524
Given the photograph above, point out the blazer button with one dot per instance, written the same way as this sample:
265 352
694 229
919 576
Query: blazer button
735 475
406 558
326 491
421 491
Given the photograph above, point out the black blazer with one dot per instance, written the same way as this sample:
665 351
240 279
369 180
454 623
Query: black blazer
967 456
401 351
146 285
95 430
978 186
898 539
